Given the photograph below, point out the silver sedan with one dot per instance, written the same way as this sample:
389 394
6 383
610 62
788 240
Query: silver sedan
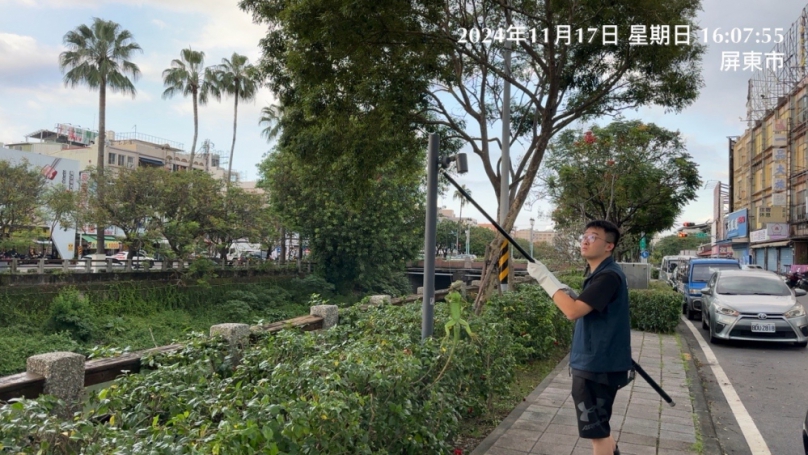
753 305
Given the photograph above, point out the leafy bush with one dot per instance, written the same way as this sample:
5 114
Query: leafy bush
655 311
654 273
534 320
71 312
366 386
236 311
17 344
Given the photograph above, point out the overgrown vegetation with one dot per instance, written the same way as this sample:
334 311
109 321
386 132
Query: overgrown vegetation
140 315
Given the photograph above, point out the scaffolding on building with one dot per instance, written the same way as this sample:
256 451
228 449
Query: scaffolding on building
770 86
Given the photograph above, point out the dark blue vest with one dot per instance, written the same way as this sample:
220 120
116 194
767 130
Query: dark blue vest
602 341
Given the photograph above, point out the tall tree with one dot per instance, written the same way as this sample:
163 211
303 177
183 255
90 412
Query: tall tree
238 78
458 195
186 76
22 188
638 176
129 201
99 56
430 54
271 117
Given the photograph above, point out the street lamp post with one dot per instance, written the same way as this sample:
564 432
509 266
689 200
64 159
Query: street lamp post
531 236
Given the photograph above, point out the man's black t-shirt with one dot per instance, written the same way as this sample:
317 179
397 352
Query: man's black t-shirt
600 291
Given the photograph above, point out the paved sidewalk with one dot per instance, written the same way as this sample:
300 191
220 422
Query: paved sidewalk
641 421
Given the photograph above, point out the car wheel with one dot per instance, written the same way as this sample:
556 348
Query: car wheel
713 338
690 313
801 344
684 308
704 324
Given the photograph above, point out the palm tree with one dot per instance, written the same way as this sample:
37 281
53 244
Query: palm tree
271 117
458 195
186 76
98 56
238 78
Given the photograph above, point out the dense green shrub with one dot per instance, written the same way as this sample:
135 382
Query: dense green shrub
654 273
71 312
366 386
17 344
534 320
655 310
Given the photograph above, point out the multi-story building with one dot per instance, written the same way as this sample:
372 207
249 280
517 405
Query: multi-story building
538 236
124 150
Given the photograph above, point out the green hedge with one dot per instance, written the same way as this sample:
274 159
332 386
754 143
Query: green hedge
367 386
653 310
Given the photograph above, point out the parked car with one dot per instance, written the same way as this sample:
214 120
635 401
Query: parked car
752 267
138 260
667 269
753 305
697 275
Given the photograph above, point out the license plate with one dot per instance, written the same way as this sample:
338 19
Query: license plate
763 327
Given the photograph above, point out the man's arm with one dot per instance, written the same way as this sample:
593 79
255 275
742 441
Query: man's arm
572 308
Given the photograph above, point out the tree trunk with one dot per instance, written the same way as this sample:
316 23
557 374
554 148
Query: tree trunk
102 139
283 246
233 145
196 131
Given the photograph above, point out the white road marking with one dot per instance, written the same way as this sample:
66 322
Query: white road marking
750 432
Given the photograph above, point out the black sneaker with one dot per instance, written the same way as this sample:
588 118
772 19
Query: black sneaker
616 450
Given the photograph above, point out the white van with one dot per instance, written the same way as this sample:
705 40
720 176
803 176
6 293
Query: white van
668 268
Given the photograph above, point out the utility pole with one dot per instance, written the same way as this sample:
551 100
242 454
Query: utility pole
505 168
428 304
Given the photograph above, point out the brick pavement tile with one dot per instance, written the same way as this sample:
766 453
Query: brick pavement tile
549 402
677 420
665 434
687 429
518 440
544 448
640 439
649 423
675 412
571 430
584 443
556 391
550 410
566 412
535 417
636 400
558 438
676 452
581 451
565 420
494 450
636 449
531 425
634 429
670 444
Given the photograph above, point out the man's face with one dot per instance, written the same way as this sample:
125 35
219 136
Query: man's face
594 244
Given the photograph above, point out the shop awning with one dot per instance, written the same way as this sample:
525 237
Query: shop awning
770 244
111 242
152 161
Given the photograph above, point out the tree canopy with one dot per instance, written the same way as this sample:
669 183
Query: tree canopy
638 176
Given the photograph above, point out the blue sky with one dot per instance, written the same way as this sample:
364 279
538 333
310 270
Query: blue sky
33 96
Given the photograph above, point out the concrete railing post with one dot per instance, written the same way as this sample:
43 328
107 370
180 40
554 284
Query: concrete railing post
14 263
128 267
40 266
65 265
380 299
109 265
237 336
64 377
88 265
329 313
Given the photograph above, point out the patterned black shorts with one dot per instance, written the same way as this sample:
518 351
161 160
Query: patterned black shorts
593 407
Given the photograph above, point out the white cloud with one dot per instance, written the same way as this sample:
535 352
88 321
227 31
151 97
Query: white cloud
160 24
20 56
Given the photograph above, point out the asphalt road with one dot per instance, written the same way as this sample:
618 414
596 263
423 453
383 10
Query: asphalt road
770 380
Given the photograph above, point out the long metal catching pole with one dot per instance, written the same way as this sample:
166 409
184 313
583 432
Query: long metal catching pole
636 366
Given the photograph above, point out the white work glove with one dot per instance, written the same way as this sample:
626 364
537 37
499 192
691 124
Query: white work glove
546 280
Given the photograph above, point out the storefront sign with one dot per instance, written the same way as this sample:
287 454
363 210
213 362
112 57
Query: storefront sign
737 224
777 231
